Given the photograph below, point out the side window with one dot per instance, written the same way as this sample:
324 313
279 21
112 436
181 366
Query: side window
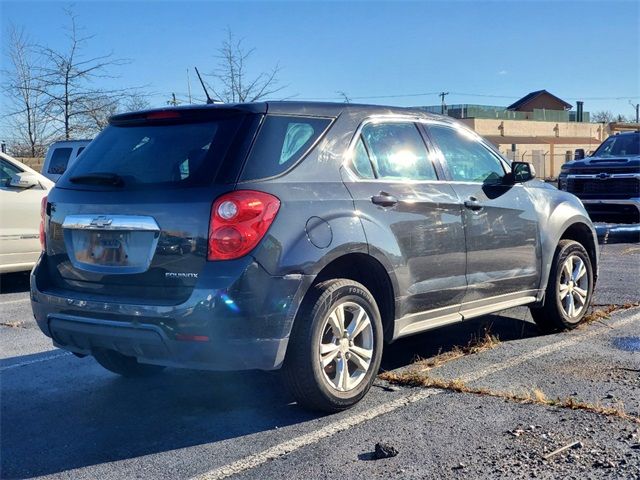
281 142
59 160
79 151
7 171
468 160
398 151
361 163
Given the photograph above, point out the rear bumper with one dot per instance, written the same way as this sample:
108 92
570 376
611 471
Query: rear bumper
238 322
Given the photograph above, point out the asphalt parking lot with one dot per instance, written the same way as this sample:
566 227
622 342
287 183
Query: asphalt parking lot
65 417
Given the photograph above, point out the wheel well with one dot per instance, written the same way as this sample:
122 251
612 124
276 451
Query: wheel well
581 233
369 272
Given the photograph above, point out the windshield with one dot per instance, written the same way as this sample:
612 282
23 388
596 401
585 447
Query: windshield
619 145
146 155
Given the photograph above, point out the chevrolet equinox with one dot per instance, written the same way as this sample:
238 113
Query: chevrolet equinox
297 236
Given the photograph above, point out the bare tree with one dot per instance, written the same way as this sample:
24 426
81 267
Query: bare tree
98 110
605 116
68 83
232 78
23 86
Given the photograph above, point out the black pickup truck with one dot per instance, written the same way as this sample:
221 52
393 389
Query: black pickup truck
608 182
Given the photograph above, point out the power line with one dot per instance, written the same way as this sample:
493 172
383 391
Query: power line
466 94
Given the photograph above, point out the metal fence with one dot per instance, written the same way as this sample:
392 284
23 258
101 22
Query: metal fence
547 166
501 113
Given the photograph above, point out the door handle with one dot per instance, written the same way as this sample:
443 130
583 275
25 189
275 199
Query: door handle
384 199
472 203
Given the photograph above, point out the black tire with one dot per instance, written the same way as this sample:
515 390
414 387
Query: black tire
551 315
123 365
306 378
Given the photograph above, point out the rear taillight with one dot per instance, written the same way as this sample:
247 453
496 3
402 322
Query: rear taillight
43 213
238 222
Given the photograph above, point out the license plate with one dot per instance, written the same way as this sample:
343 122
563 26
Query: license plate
104 248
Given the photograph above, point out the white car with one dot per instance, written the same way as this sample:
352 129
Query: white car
60 156
22 191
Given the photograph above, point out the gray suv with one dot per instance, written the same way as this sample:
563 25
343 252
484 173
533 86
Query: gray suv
306 235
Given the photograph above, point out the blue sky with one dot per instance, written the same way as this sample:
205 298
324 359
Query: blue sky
587 50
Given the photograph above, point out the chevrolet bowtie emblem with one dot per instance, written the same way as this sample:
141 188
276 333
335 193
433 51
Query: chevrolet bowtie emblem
101 222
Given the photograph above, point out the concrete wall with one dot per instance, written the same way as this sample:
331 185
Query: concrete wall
551 150
35 163
532 128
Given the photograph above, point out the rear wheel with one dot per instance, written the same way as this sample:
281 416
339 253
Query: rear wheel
335 347
569 289
124 365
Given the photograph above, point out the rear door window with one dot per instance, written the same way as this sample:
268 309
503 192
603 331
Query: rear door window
59 160
361 162
158 154
281 143
398 151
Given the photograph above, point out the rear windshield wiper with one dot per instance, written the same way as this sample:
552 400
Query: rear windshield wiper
99 179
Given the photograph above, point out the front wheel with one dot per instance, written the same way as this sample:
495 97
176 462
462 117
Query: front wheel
569 289
335 347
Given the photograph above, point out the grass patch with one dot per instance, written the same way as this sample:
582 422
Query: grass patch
603 312
479 344
13 324
533 397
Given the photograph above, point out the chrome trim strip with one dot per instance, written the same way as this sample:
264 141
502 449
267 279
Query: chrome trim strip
596 176
111 222
422 321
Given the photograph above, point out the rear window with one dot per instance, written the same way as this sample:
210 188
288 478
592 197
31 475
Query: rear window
59 160
158 154
281 143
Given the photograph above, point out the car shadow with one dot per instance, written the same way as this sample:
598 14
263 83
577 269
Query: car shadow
67 413
509 325
14 282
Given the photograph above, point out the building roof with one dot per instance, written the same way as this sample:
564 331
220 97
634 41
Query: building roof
507 140
530 96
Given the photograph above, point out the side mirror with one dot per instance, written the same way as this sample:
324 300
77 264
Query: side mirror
521 172
578 154
24 180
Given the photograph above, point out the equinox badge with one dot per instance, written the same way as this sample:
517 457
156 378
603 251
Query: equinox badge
180 275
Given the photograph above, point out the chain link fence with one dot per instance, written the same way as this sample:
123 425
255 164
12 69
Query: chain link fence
547 166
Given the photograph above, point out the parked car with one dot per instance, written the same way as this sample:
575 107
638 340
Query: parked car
60 156
608 181
22 190
321 232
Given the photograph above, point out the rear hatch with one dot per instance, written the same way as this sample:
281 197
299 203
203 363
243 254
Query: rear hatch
130 219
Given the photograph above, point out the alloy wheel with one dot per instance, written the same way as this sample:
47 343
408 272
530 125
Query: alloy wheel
346 346
573 287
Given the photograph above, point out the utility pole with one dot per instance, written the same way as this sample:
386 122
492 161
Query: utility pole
189 87
637 107
443 106
174 101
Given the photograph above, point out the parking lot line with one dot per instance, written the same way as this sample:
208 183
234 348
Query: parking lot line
547 349
255 460
36 360
22 300
284 448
